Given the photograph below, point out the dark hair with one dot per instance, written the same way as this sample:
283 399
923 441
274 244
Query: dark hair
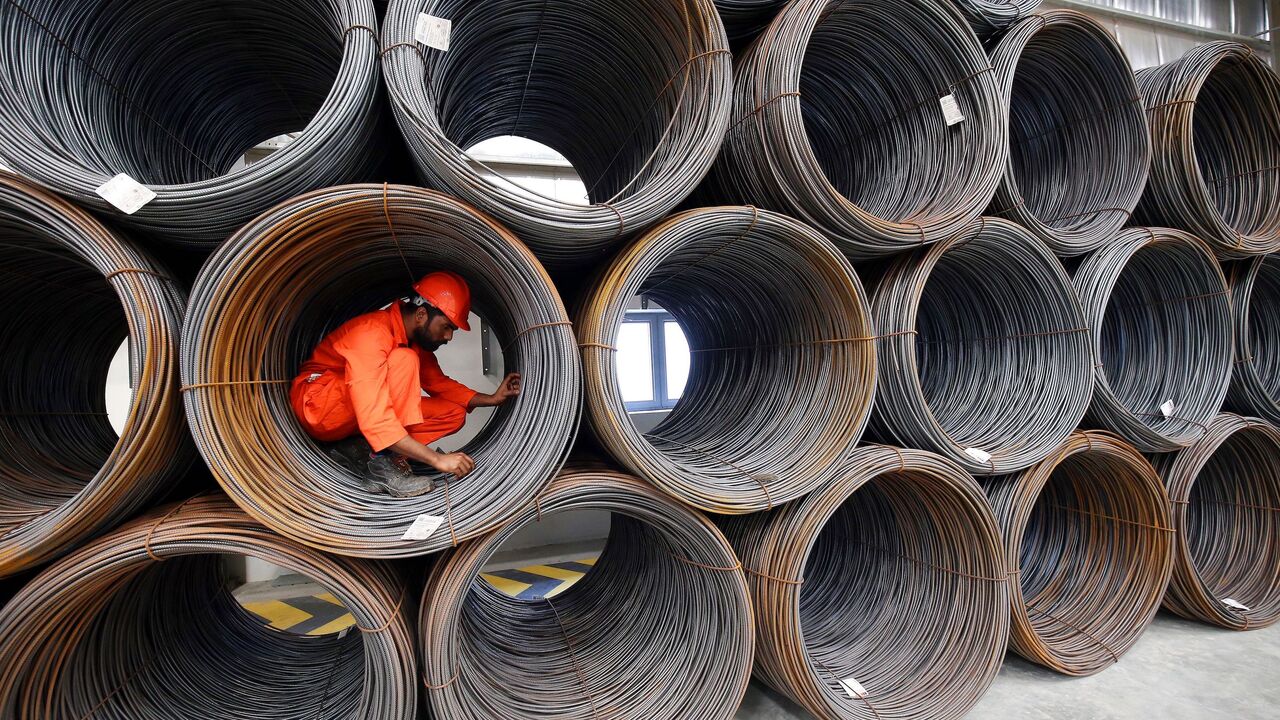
412 305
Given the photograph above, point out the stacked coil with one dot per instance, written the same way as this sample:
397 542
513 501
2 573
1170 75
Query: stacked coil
1225 491
269 295
782 358
1255 308
744 18
641 128
984 351
840 120
1157 303
73 292
139 626
1215 126
992 17
660 629
1087 536
1079 149
881 595
174 100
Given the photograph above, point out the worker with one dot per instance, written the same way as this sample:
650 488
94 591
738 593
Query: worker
362 389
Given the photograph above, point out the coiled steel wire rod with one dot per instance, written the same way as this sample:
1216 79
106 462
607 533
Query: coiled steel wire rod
782 367
660 629
1156 301
1255 308
1215 129
1079 148
992 17
139 625
174 99
1225 491
744 18
882 594
838 121
635 95
1087 536
72 292
984 353
272 291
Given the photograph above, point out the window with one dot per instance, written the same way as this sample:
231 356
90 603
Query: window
653 360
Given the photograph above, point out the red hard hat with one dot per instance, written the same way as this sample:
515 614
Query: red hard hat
448 292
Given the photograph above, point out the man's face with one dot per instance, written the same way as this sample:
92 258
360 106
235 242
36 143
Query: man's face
431 334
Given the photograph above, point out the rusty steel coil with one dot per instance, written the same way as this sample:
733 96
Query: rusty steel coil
640 117
175 100
984 353
1255 308
73 292
881 595
660 629
271 292
1215 128
782 357
839 121
140 625
1157 303
1087 536
1225 491
1079 148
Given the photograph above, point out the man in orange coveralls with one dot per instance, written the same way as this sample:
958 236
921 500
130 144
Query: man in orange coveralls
365 382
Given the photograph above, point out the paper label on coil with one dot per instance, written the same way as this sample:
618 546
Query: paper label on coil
422 527
853 688
1235 604
978 454
951 110
433 31
126 194
1168 408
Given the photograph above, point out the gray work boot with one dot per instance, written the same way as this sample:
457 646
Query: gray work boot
389 473
351 454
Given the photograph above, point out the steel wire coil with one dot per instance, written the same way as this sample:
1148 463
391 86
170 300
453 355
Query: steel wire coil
891 576
1157 303
1255 310
72 292
838 121
176 99
744 18
984 354
989 18
1215 128
1087 536
660 629
1225 491
140 625
1079 147
782 358
634 95
271 292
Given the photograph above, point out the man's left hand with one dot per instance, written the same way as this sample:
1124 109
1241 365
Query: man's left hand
509 388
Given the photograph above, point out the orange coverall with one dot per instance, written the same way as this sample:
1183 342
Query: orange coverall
365 377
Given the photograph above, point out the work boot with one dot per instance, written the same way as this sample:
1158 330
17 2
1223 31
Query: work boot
351 454
389 473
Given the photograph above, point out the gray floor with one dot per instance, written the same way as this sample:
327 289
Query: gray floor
1179 670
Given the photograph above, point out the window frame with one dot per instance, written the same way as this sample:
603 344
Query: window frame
655 319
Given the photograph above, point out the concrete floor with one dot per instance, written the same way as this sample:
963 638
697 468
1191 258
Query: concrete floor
1179 670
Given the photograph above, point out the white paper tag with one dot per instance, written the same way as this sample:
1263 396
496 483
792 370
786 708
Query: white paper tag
978 454
853 688
433 31
127 194
1234 604
1168 408
422 527
951 110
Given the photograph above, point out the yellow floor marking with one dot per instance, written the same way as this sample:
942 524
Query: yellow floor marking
328 597
587 561
565 585
552 572
338 625
280 616
505 586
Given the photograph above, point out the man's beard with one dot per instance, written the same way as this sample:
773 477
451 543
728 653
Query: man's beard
424 341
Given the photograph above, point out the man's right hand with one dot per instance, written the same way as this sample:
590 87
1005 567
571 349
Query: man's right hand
459 464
